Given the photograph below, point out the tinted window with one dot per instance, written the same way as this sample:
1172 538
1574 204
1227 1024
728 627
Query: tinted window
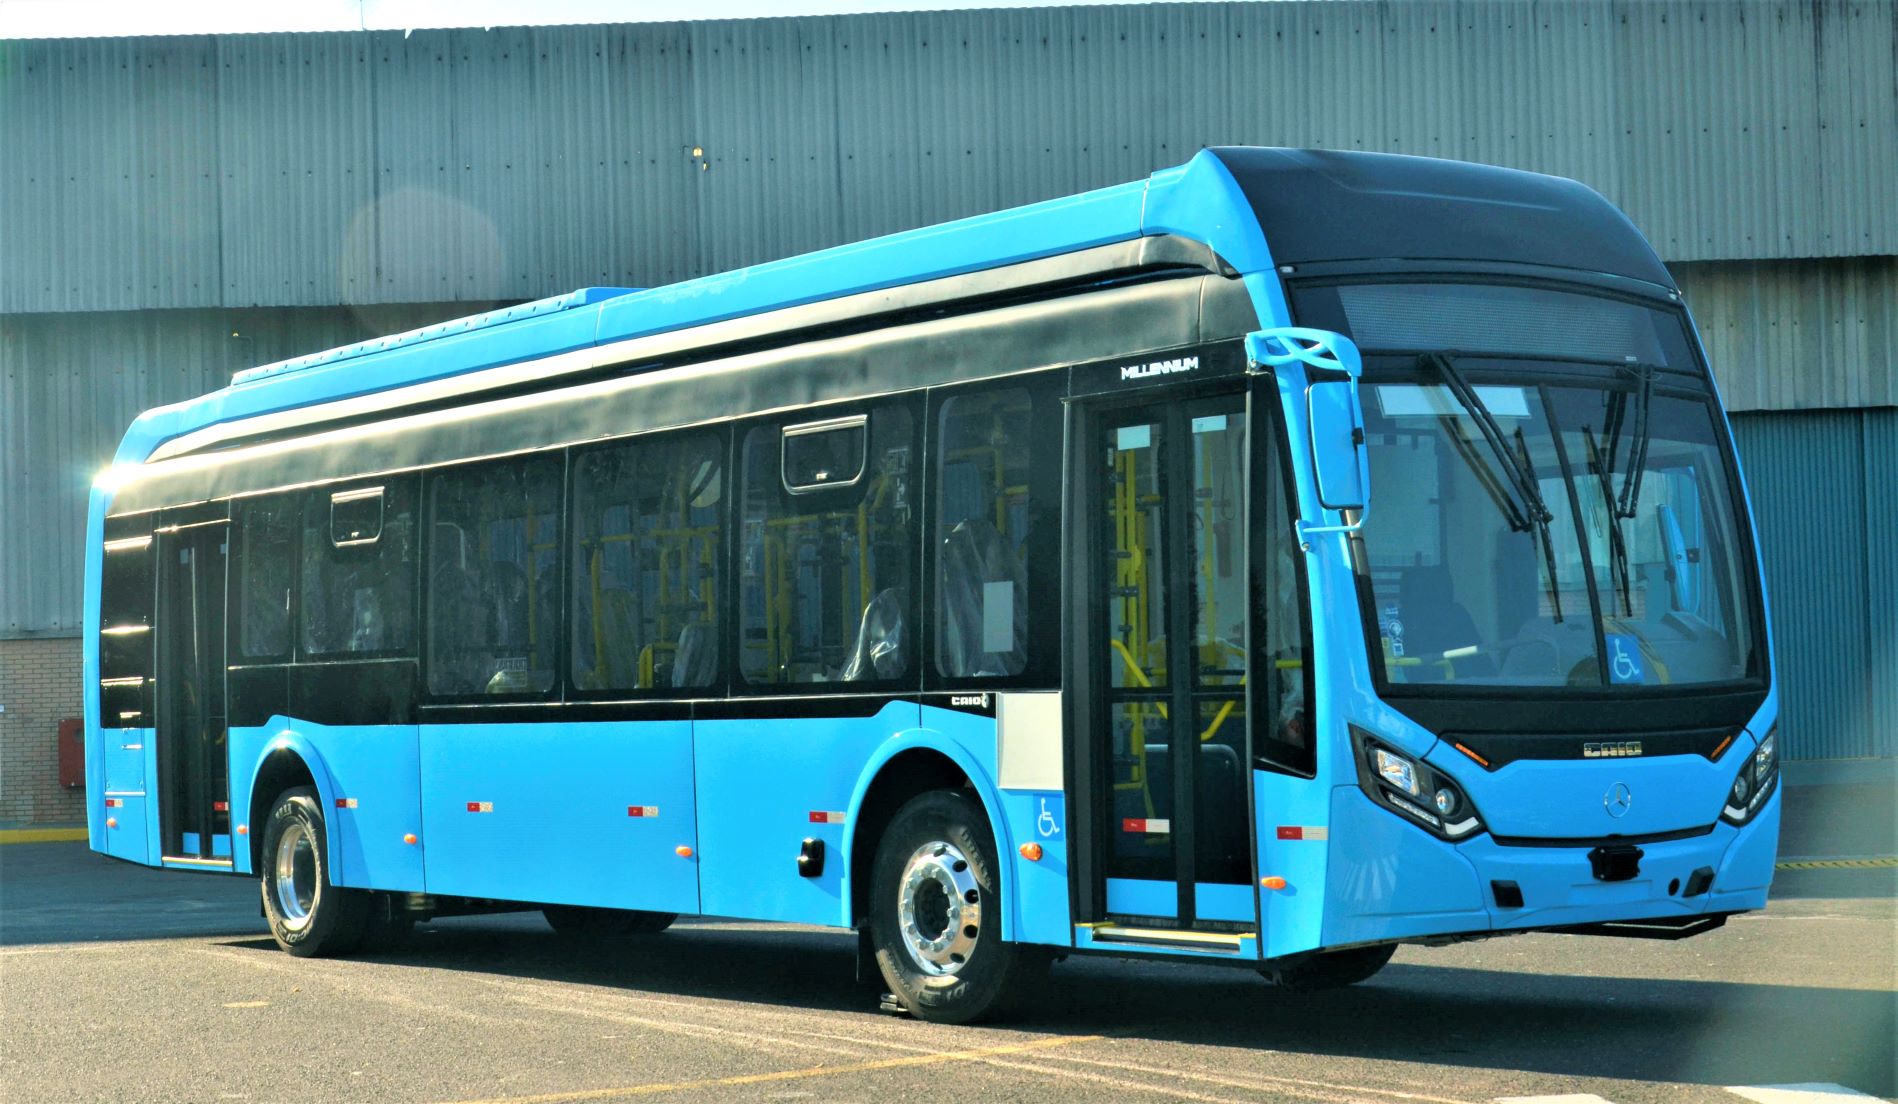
266 564
825 586
983 498
824 454
359 598
648 539
493 577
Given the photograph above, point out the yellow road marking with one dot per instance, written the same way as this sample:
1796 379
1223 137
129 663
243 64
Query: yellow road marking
657 1087
1839 864
41 835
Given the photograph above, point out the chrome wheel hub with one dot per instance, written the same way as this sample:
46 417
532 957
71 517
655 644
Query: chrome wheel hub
939 909
296 877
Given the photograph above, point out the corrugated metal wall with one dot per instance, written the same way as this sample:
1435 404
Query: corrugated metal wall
1824 487
69 386
286 170
1798 335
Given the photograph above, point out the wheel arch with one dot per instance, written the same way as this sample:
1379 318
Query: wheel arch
911 765
285 762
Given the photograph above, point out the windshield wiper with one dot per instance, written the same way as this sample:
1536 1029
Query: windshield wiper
1516 464
1617 546
1630 498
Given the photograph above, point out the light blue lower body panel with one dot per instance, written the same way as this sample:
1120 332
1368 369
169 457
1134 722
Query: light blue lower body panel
1040 904
588 814
767 785
128 802
374 772
1391 880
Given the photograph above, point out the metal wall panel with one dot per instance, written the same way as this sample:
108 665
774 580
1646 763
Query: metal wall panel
69 386
519 162
1791 335
1822 486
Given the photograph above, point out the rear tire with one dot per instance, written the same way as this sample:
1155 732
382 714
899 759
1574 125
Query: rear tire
581 922
936 913
309 914
1330 969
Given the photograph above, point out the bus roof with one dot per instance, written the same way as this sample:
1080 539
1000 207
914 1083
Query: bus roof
1321 205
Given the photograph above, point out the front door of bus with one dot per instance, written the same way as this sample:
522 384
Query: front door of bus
1168 646
193 763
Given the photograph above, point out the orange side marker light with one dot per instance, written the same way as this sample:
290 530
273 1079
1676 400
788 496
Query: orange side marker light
409 838
683 851
1273 882
1484 762
111 822
243 829
1031 852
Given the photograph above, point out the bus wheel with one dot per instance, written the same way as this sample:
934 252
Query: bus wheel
936 915
603 923
1330 970
308 914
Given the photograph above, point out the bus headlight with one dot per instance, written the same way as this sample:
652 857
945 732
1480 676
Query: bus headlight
1413 789
1759 773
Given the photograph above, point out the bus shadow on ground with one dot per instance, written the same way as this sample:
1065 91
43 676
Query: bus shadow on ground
1641 1029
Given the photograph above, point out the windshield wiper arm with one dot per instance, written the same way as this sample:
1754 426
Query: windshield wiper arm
1637 444
1515 463
1617 546
1521 473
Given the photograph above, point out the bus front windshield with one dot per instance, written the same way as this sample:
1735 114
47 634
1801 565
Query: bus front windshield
1541 522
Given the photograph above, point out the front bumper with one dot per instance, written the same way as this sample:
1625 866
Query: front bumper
1391 880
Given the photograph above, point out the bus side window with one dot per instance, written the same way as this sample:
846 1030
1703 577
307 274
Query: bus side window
266 564
982 526
648 540
494 577
825 592
359 594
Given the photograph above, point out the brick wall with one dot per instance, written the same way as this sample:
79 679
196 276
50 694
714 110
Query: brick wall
39 686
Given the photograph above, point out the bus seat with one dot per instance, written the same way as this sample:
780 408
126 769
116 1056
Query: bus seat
878 653
696 661
1435 622
974 554
617 667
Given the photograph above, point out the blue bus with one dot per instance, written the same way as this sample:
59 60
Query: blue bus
1281 558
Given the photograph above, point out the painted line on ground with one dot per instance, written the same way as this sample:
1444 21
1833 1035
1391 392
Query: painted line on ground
657 1087
1810 1092
1558 1098
41 835
1880 862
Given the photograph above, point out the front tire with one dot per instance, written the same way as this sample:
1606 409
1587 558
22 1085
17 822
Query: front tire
309 914
936 913
1330 969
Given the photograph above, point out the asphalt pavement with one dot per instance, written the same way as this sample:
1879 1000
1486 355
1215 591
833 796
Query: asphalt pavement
120 983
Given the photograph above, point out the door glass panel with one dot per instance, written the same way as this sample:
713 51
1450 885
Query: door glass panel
1135 522
1216 547
193 763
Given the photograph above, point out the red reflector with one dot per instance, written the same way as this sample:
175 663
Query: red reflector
820 817
481 806
642 810
220 806
1149 825
114 803
1291 831
345 803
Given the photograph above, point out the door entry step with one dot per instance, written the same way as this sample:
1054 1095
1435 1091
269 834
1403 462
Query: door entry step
1219 942
192 860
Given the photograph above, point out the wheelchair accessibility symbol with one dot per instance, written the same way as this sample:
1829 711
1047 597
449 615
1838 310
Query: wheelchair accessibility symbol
1624 659
1048 821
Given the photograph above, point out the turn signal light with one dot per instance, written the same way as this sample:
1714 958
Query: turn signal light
1273 882
1031 852
683 851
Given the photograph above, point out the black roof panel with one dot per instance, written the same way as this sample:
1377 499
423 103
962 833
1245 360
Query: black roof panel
1330 205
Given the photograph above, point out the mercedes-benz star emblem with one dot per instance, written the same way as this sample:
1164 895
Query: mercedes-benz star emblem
1618 800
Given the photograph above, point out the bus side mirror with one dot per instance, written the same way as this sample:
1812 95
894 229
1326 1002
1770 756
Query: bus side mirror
1334 416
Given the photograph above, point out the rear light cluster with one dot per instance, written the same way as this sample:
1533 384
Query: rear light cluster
1413 789
1759 775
